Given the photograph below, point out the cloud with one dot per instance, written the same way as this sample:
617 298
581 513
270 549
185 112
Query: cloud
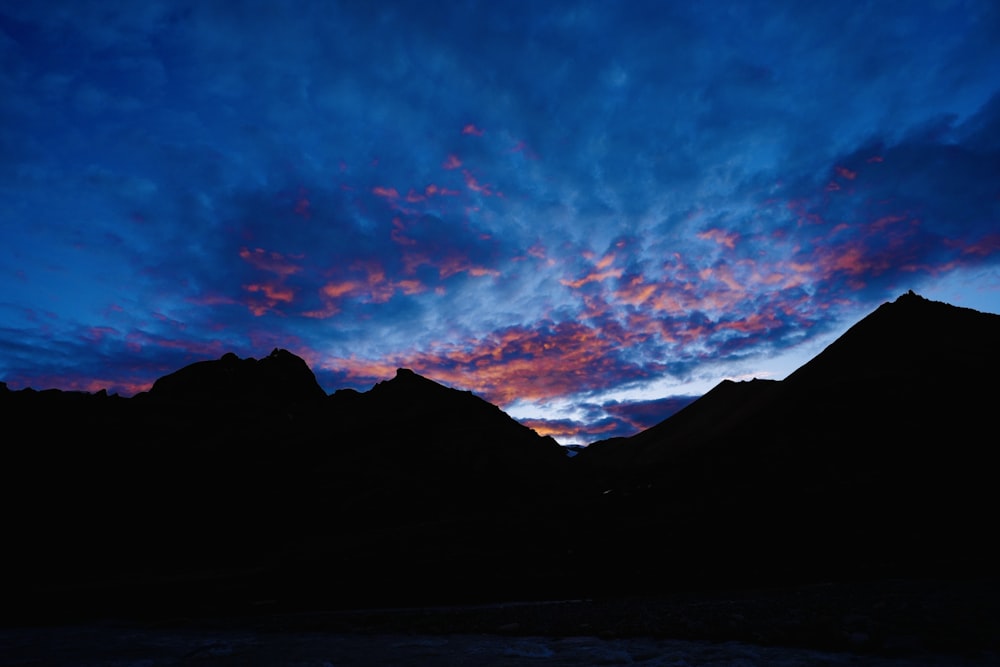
526 200
641 415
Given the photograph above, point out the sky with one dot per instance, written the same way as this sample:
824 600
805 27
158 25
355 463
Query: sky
587 213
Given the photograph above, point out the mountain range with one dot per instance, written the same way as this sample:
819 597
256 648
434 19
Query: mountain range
239 484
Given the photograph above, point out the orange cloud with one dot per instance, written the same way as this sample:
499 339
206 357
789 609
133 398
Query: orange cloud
722 237
329 310
636 292
397 233
338 290
372 287
599 275
388 193
359 369
273 294
476 186
454 265
272 291
377 288
563 431
269 261
844 172
538 251
595 277
756 322
518 363
724 274
410 287
851 259
606 261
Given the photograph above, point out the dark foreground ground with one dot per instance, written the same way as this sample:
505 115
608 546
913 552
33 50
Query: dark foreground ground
898 623
893 617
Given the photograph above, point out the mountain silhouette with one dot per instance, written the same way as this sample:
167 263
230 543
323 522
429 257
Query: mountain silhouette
238 482
439 437
406 491
872 459
278 379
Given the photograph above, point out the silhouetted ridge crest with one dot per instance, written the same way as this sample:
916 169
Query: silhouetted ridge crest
461 433
716 414
279 378
910 341
407 380
411 393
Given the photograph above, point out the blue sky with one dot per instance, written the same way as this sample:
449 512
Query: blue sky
585 212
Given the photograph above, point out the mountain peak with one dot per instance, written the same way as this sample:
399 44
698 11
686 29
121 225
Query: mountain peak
281 378
907 339
410 385
910 297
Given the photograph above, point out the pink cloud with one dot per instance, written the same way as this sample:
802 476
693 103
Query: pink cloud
600 273
517 363
476 186
337 290
452 265
984 247
720 236
388 193
273 292
272 262
844 172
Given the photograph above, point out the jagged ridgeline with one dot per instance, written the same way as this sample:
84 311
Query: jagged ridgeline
239 484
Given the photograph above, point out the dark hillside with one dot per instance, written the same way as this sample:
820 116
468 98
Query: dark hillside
873 459
238 485
236 482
